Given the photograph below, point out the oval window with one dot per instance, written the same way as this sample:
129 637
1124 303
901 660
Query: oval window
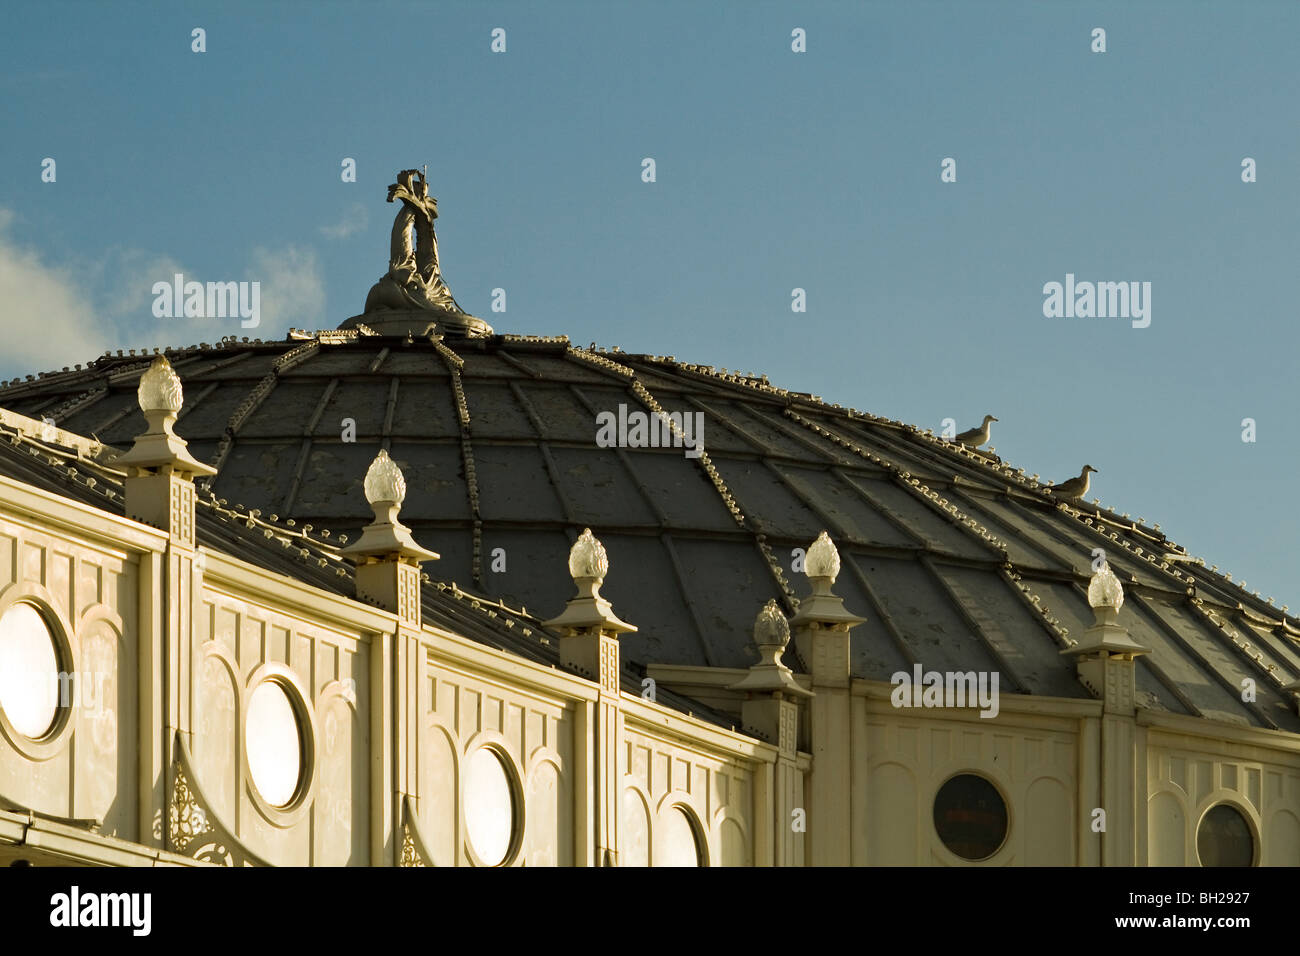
970 817
1224 838
29 672
273 739
680 846
489 806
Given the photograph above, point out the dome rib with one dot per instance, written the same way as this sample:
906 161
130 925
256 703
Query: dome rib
304 452
261 391
455 364
680 578
742 517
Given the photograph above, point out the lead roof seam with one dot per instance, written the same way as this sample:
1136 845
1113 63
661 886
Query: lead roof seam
728 498
760 449
1199 660
511 360
454 364
676 563
664 534
548 460
79 403
1243 624
779 424
888 514
390 408
304 453
290 498
839 531
998 521
1169 684
960 607
705 462
879 608
621 453
1034 603
938 460
1198 609
250 404
1180 590
913 485
1158 567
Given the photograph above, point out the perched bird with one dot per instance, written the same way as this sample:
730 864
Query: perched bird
976 436
1075 487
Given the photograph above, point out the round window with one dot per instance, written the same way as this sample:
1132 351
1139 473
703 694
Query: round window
970 817
30 682
273 739
680 846
1224 838
489 806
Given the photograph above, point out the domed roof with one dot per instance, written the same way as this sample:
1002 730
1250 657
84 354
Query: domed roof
957 561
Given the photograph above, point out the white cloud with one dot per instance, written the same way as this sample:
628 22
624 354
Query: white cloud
52 315
293 294
355 218
46 311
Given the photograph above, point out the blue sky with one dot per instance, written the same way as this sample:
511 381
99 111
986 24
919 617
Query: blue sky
775 170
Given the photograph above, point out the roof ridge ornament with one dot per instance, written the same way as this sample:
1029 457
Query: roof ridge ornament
823 559
384 481
823 607
386 537
587 611
1107 637
1104 589
771 635
588 558
413 292
159 447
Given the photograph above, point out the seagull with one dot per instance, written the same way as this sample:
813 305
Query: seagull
1075 487
976 436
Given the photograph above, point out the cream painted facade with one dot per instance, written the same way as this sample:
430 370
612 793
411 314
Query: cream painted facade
173 636
390 709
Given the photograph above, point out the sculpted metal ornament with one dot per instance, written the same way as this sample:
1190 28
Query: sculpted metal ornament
413 294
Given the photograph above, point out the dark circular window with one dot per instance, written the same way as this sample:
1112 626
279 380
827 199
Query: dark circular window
970 817
1224 838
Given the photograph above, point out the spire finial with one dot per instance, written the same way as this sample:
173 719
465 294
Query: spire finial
587 558
1104 590
160 388
823 559
384 482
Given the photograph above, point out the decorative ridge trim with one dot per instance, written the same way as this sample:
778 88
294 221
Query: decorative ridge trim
1243 647
728 499
294 357
954 515
454 365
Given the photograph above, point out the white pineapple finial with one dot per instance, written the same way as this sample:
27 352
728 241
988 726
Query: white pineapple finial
587 558
823 559
1104 590
771 629
160 388
385 481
